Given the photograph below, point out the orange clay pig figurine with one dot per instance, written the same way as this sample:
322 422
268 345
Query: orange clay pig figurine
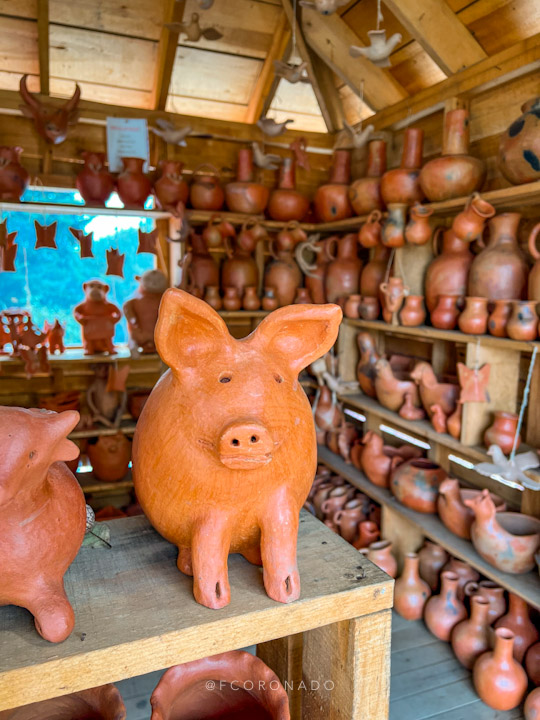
42 515
224 453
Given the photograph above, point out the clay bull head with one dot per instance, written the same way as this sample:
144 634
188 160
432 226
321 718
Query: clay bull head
224 453
52 122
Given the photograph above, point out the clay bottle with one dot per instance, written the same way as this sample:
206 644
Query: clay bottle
240 269
132 185
470 638
499 680
448 273
402 185
532 663
464 572
251 301
503 431
444 611
343 272
374 271
283 273
491 592
365 193
199 269
531 709
517 620
469 224
413 312
410 591
418 230
244 195
331 201
286 202
380 553
433 558
327 414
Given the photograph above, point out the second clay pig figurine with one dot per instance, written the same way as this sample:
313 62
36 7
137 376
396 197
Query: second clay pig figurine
141 311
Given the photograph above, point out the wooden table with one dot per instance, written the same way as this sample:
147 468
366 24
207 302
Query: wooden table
135 613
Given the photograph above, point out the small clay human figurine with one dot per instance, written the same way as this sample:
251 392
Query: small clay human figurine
107 406
141 311
97 318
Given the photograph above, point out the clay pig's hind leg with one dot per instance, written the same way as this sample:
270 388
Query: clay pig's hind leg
184 563
210 545
53 615
279 531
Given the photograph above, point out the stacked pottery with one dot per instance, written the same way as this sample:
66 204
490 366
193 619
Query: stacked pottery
519 149
365 371
132 185
343 272
206 192
432 558
393 232
348 519
499 680
418 230
464 573
283 273
244 195
470 638
365 193
286 202
240 269
410 591
402 185
518 620
331 201
368 533
445 610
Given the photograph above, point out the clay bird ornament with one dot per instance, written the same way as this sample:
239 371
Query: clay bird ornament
172 135
379 50
270 127
193 31
355 139
512 469
291 73
325 7
266 161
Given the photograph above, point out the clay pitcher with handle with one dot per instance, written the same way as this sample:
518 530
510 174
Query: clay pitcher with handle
448 272
240 269
315 273
534 275
343 272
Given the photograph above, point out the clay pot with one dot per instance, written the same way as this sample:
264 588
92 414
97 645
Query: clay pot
231 299
244 195
491 592
286 203
393 232
402 185
416 482
283 273
206 192
336 500
455 515
331 201
352 307
519 148
95 183
110 457
448 273
199 269
498 319
413 312
380 554
444 611
343 272
269 301
465 574
374 272
216 230
473 319
132 185
368 533
410 591
523 321
446 312
365 193
170 188
99 703
534 274
392 294
469 224
470 638
418 230
328 415
503 431
498 679
240 269
532 663
369 308
531 709
136 402
432 558
369 235
251 300
365 371
518 620
212 297
348 518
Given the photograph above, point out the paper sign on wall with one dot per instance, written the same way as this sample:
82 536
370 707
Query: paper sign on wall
127 137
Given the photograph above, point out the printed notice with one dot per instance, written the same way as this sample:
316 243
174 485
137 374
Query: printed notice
127 137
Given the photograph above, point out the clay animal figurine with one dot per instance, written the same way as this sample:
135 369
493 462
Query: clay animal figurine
55 337
265 161
379 50
474 383
357 137
378 460
271 128
291 73
51 121
365 370
325 7
193 30
141 311
97 317
171 134
231 479
434 393
106 405
42 515
390 390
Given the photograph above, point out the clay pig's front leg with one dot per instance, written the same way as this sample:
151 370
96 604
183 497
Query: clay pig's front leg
53 615
210 543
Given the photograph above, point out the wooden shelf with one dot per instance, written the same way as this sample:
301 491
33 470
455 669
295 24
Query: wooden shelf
242 314
75 354
526 586
126 428
91 485
58 209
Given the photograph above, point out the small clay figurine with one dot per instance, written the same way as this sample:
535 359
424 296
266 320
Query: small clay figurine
97 318
141 311
55 337
106 406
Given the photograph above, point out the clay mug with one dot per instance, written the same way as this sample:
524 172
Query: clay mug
370 232
369 308
413 312
352 307
393 232
446 312
523 321
473 320
418 230
348 518
492 592
499 317
231 299
469 224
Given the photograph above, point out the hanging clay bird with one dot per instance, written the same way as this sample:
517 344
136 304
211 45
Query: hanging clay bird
266 161
358 138
193 31
380 49
270 127
291 73
325 7
170 133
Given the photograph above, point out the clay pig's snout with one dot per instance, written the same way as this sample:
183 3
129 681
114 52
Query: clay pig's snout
245 445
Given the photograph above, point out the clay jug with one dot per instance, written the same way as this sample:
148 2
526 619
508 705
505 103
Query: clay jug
286 203
99 703
534 275
413 312
321 494
110 457
418 230
365 371
523 321
532 663
336 500
331 201
491 592
470 638
393 293
348 519
95 183
269 301
469 224
314 274
231 299
519 148
498 319
416 482
499 272
448 273
410 591
455 515
499 680
212 297
206 192
244 195
365 193
199 269
380 554
216 230
402 185
343 272
465 574
240 269
444 611
170 188
369 308
518 620
352 307
327 414
503 431
368 532
393 232
432 558
251 301
283 273
531 708
369 235
455 173
374 271
132 185
446 312
473 320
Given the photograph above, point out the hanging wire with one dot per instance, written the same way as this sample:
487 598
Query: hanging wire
524 402
380 16
294 28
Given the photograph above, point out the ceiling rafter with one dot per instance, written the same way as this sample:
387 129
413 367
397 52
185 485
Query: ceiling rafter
43 45
166 55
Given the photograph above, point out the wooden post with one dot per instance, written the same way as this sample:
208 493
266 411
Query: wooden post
411 263
284 656
404 535
347 352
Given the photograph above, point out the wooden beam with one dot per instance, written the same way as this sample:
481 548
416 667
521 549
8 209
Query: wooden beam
439 31
43 45
328 89
168 42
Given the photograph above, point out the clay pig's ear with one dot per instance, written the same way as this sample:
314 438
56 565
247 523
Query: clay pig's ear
299 333
60 425
188 330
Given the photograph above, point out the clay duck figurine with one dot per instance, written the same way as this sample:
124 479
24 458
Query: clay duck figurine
291 73
265 161
455 515
441 396
391 391
325 7
378 460
170 133
365 371
358 138
379 50
347 435
270 127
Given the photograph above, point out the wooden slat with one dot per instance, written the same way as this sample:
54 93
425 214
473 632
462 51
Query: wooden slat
284 657
327 88
43 45
166 54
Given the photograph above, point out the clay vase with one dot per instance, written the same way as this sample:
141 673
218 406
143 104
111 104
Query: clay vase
531 708
251 301
314 275
368 533
110 457
413 312
348 518
269 301
380 554
444 611
376 460
343 272
418 230
432 558
283 273
205 192
369 235
392 295
95 183
331 201
503 431
373 273
231 299
393 232
212 297
469 224
448 273
352 307
410 591
446 312
518 620
415 483
465 574
402 185
523 321
244 195
199 269
499 272
473 320
365 371
170 188
532 663
534 274
499 317
286 203
365 193
369 308
470 638
328 416
455 515
491 592
243 688
240 269
519 148
132 185
99 703
499 680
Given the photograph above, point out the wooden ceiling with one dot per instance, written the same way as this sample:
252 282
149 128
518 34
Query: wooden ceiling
126 52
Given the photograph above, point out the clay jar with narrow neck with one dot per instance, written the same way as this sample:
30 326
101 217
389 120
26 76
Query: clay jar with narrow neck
282 273
410 591
374 271
523 321
432 558
245 195
498 678
493 593
286 202
448 273
132 185
365 371
470 638
206 192
503 431
446 312
343 272
199 269
402 185
170 188
518 620
532 663
269 301
380 553
444 611
365 193
498 319
231 299
331 201
95 183
519 149
455 173
473 320
240 269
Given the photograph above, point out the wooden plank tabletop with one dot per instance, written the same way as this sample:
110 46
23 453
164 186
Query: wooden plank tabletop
135 612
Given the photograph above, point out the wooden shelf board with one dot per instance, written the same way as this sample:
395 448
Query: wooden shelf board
135 612
57 209
526 586
126 428
242 314
76 354
91 485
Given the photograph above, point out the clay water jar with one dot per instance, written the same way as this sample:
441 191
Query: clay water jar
368 533
369 308
269 301
534 274
374 271
99 703
413 312
446 312
470 638
531 708
402 185
491 592
365 193
418 230
498 318
283 273
170 188
415 483
432 559
348 518
110 457
331 201
343 272
498 678
470 223
239 268
410 591
132 185
212 297
392 295
286 202
244 195
448 272
465 574
251 300
231 299
95 183
523 321
503 431
518 620
455 515
393 231
365 370
519 148
352 307
380 554
532 663
473 320
369 235
199 269
205 192
445 610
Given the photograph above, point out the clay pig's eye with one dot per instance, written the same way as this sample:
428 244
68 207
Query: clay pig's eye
278 378
225 378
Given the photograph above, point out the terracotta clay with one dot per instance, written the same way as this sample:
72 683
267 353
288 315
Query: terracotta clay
464 572
390 390
519 149
55 337
250 301
205 192
14 177
136 401
503 431
448 273
348 518
518 620
141 311
95 183
110 456
457 516
269 301
393 231
42 515
328 415
52 122
99 703
531 708
373 273
368 533
369 235
393 293
433 558
315 274
240 269
418 230
432 392
369 308
331 201
106 404
380 553
498 319
352 307
534 275
343 272
532 663
469 224
446 312
474 383
212 297
244 195
444 611
473 320
222 394
199 269
97 317
523 321
283 273
365 193
402 185
491 592
416 482
453 423
336 500
170 188
286 202
231 299
499 680
378 460
410 591
132 185
470 638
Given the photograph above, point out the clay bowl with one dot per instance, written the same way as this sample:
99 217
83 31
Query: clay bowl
457 517
509 543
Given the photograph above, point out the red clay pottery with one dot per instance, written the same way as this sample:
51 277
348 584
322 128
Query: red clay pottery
132 185
95 183
415 483
393 231
244 195
269 301
328 415
170 188
216 231
455 173
42 515
199 269
391 391
69 400
464 572
365 371
523 321
206 192
413 312
455 515
230 685
336 500
418 230
373 273
136 401
352 307
365 193
491 592
369 308
251 300
519 150
433 558
446 312
453 422
231 299
52 122
499 272
240 269
434 393
473 320
368 533
380 554
470 638
402 185
141 311
97 318
110 457
392 294
444 611
283 273
469 224
314 275
532 663
369 235
410 591
448 273
506 540
348 518
321 494
498 319
212 297
498 679
244 442
99 703
332 201
343 272
286 202
534 274
503 431
378 460
13 176
531 708
518 620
